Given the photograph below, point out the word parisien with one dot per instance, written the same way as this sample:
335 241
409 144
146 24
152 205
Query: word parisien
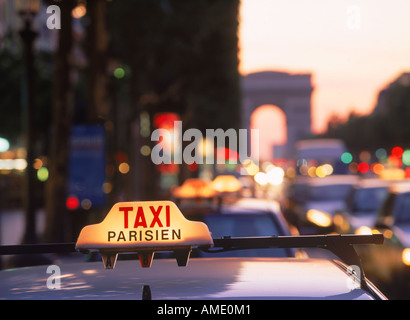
163 153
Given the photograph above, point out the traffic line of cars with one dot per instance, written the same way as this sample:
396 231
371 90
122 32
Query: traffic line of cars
352 205
225 247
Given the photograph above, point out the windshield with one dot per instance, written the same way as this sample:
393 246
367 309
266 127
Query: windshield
244 225
239 225
402 209
330 192
368 199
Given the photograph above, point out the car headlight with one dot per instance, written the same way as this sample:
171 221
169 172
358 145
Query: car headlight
405 256
320 218
363 230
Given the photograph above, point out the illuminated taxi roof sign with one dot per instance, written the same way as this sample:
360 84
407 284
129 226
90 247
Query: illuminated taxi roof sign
195 188
226 183
144 227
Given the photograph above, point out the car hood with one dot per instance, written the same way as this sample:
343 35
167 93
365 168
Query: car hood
223 278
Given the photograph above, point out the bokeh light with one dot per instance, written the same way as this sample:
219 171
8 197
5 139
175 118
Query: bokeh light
346 157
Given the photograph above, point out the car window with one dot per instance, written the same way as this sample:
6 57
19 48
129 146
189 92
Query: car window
402 209
239 225
331 192
368 199
244 225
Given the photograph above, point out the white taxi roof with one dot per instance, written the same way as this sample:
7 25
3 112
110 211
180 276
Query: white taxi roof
223 278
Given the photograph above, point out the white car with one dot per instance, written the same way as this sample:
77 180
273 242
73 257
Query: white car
365 201
315 201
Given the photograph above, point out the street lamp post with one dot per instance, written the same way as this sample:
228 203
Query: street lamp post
27 9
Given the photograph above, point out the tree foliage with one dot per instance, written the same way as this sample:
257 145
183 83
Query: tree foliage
11 88
182 57
383 128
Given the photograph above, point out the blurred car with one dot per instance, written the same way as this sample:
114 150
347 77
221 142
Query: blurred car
389 265
194 188
246 217
197 190
220 206
314 201
363 205
201 278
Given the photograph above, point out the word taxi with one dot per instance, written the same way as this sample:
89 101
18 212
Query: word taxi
149 225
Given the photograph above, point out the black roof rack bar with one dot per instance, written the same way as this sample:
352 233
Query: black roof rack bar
225 244
340 244
303 241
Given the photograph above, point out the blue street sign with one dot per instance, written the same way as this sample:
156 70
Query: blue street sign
87 164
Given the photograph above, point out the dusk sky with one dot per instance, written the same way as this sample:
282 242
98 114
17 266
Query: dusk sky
352 48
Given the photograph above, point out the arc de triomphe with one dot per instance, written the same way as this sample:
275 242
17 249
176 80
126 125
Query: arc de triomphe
289 92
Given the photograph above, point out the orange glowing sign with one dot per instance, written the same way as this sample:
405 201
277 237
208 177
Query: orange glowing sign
143 227
195 188
226 183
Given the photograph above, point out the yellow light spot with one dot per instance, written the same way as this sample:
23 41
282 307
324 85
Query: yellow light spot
363 230
86 204
405 256
320 172
388 234
226 183
320 218
312 172
145 150
91 271
261 178
124 168
37 164
107 187
79 11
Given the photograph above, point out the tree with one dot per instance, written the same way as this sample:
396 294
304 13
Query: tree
384 128
56 189
183 58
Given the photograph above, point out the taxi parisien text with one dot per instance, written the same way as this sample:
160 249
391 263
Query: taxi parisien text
141 218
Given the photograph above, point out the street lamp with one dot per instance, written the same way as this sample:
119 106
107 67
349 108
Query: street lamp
27 9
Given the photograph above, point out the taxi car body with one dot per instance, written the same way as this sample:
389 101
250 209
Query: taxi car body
138 228
202 278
